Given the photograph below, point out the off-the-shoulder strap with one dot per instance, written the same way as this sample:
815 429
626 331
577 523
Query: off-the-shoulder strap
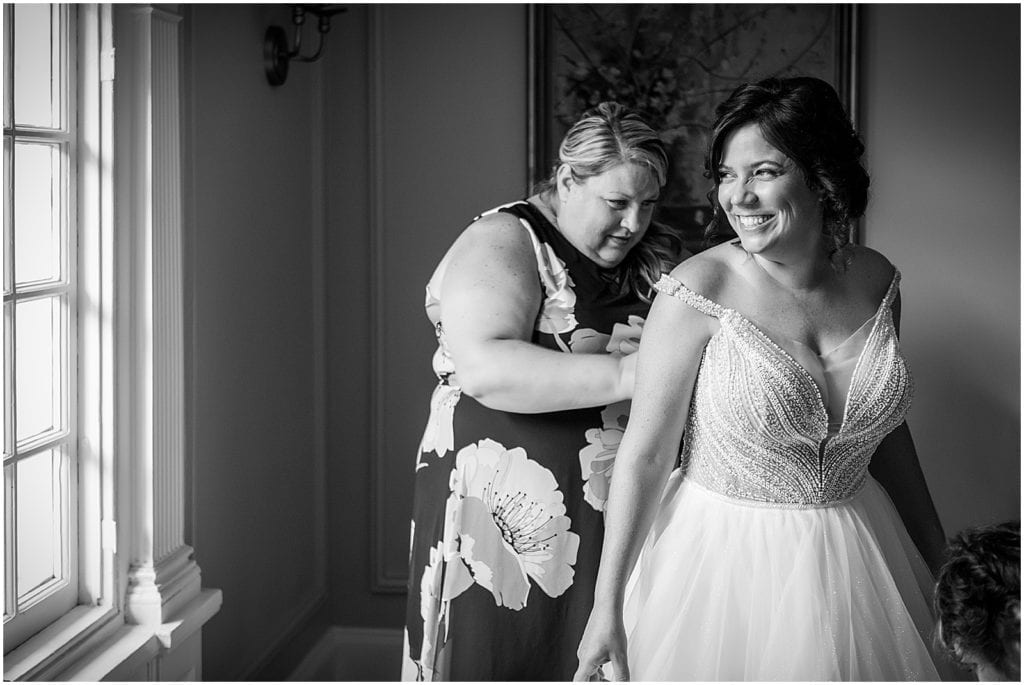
671 286
894 288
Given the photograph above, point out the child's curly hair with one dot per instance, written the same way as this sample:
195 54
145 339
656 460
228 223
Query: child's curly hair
977 596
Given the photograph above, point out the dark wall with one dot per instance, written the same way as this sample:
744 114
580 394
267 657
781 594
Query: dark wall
258 525
941 121
426 107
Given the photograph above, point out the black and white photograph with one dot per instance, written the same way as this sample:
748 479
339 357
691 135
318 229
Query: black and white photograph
511 342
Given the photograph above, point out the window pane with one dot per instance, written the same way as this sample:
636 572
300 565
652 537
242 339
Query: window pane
39 520
9 574
35 68
36 212
8 217
8 373
38 370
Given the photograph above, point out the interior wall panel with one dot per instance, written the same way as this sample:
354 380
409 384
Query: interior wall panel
439 137
259 526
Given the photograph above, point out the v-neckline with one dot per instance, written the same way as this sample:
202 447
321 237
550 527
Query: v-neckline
801 370
832 350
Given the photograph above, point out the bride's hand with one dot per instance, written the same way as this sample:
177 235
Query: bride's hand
604 641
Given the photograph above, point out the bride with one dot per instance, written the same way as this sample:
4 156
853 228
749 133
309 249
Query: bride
795 541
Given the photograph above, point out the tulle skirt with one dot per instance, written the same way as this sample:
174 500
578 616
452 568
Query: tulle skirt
728 590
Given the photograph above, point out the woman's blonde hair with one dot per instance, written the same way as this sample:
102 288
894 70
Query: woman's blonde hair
603 138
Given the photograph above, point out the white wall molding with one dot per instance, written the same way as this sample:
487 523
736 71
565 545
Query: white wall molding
178 579
149 186
167 284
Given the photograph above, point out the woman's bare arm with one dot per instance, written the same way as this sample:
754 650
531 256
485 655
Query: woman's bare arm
490 298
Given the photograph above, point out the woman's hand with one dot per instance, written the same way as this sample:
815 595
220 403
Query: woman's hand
604 641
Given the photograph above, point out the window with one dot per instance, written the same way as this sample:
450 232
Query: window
40 320
89 285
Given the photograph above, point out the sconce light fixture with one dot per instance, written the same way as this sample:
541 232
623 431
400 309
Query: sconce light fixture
277 54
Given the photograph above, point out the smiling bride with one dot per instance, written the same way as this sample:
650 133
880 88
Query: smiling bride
797 539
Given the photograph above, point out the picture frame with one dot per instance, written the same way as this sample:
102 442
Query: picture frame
674 63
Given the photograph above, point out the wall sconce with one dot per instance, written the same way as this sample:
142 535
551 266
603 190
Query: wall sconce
277 55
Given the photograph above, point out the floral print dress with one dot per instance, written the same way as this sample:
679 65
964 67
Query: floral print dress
507 514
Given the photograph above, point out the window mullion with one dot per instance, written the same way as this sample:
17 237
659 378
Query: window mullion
11 557
63 565
35 291
8 287
38 135
40 443
8 108
8 217
59 85
73 537
9 418
10 433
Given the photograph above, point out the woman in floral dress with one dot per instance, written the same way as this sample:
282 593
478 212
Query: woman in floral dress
538 308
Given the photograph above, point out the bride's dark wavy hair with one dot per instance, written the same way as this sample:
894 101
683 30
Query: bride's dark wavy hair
803 118
603 138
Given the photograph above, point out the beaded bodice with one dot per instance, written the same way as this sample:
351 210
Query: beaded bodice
758 428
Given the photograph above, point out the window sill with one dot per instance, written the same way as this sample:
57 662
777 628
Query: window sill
64 638
90 642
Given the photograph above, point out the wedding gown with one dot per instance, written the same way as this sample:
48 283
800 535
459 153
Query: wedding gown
775 555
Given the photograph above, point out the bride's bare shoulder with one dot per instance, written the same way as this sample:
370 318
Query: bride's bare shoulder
709 273
870 270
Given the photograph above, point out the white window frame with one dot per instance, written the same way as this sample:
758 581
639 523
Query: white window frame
140 591
50 606
51 600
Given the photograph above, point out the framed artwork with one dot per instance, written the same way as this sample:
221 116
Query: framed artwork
675 63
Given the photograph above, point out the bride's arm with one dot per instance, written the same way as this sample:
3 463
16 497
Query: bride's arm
669 358
895 465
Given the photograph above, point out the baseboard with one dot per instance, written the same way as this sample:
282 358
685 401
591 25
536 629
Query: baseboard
347 654
302 631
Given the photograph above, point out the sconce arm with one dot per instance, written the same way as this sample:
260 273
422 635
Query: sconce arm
277 55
